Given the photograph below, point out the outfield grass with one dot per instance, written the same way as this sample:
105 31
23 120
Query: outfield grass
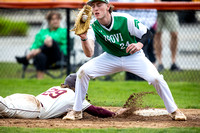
14 70
185 94
102 93
107 93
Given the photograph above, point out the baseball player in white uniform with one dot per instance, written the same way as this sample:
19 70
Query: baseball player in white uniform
116 33
52 103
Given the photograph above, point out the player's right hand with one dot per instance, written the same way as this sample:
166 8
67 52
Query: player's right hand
134 47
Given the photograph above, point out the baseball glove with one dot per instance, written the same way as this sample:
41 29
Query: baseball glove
82 21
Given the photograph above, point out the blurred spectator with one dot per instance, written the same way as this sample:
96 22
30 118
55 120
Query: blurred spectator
168 20
49 45
148 18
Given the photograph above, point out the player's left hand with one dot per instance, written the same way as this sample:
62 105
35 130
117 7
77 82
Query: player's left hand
134 47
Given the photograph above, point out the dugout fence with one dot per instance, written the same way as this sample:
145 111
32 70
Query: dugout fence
20 21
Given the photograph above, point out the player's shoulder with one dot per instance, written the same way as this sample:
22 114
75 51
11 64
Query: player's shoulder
68 89
59 88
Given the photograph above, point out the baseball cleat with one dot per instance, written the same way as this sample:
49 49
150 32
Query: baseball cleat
178 116
73 115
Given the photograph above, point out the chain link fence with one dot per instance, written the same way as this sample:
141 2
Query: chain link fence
18 28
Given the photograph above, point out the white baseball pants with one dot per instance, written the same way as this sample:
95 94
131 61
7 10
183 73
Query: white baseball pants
20 106
106 64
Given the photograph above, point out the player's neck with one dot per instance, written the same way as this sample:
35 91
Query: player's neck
105 20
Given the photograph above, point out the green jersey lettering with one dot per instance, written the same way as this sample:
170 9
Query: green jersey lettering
136 23
113 38
121 35
116 37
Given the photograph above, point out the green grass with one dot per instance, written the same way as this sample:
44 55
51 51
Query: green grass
102 93
185 75
110 130
107 93
29 86
14 70
10 70
185 94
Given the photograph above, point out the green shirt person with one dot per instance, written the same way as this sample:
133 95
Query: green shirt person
49 45
59 35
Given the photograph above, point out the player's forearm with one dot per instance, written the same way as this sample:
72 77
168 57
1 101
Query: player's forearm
88 47
99 112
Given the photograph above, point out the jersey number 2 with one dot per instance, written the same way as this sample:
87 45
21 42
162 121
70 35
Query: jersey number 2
54 93
123 46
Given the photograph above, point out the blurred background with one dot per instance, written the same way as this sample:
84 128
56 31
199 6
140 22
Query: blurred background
18 28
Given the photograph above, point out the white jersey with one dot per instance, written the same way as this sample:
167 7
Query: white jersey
52 103
56 101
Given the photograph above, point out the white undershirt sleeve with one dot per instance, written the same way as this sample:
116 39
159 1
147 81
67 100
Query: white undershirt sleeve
90 34
135 27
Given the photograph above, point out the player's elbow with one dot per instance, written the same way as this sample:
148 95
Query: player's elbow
89 54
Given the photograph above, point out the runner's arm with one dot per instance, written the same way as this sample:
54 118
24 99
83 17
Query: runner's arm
99 112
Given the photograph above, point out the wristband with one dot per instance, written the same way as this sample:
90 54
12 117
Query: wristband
84 39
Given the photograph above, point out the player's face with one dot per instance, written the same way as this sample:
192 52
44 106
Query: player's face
100 9
54 22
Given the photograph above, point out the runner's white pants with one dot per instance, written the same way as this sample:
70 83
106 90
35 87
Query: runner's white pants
106 64
19 106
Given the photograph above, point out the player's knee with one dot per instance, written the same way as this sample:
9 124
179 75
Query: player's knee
86 71
156 79
82 72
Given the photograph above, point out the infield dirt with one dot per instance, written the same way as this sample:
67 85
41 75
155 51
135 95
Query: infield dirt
128 120
89 121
